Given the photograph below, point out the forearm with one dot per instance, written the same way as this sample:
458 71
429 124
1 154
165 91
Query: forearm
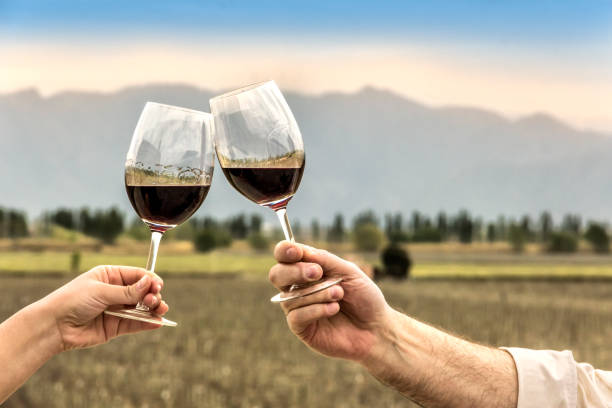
28 339
436 369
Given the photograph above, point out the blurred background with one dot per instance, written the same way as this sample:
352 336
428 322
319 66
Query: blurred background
463 145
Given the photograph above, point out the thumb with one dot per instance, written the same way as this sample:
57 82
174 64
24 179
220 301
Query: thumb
125 295
328 261
290 252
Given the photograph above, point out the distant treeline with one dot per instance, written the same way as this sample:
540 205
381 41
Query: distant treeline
105 225
13 224
367 231
555 237
465 228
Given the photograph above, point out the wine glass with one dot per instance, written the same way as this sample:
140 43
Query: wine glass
261 153
168 172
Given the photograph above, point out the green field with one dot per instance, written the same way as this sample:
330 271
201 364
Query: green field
257 264
249 263
232 347
520 271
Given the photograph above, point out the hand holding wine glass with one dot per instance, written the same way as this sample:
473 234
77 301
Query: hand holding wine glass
78 305
316 319
168 172
261 152
71 318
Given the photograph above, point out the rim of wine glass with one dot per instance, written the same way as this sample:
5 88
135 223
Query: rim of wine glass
242 89
178 108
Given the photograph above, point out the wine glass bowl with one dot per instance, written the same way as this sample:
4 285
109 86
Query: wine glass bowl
168 172
260 149
258 144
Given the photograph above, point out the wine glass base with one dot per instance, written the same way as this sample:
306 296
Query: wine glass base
305 290
141 315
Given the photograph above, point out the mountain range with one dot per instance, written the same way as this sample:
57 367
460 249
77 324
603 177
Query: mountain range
372 149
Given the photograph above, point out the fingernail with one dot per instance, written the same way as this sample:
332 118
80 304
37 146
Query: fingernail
142 282
291 252
312 272
331 307
158 288
335 293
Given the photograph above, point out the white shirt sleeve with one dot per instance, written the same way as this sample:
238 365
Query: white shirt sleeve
553 379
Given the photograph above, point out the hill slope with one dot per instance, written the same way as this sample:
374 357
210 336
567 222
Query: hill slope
371 149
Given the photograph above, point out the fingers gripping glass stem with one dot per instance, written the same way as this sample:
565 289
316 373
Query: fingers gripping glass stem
141 311
153 248
281 213
297 290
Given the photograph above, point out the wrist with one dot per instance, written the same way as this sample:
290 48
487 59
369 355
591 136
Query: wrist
386 337
29 339
399 359
41 314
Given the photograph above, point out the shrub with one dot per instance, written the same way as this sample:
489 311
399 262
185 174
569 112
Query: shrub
105 225
597 236
315 230
258 241
204 240
364 218
256 221
367 237
517 238
64 218
223 238
337 231
491 232
427 234
110 225
13 224
75 261
398 236
563 242
396 262
464 226
212 237
138 230
185 231
238 226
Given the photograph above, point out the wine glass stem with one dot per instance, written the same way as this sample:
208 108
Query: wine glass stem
155 238
284 220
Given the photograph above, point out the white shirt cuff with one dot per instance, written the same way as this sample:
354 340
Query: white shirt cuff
546 378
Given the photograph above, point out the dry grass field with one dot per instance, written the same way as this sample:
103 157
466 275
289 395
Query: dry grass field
446 260
232 347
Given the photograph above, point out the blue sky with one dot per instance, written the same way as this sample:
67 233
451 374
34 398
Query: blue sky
526 22
515 57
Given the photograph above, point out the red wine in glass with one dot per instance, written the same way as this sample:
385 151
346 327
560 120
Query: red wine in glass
268 186
163 207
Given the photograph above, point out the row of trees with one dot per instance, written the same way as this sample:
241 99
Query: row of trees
462 227
208 233
367 231
105 225
13 224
